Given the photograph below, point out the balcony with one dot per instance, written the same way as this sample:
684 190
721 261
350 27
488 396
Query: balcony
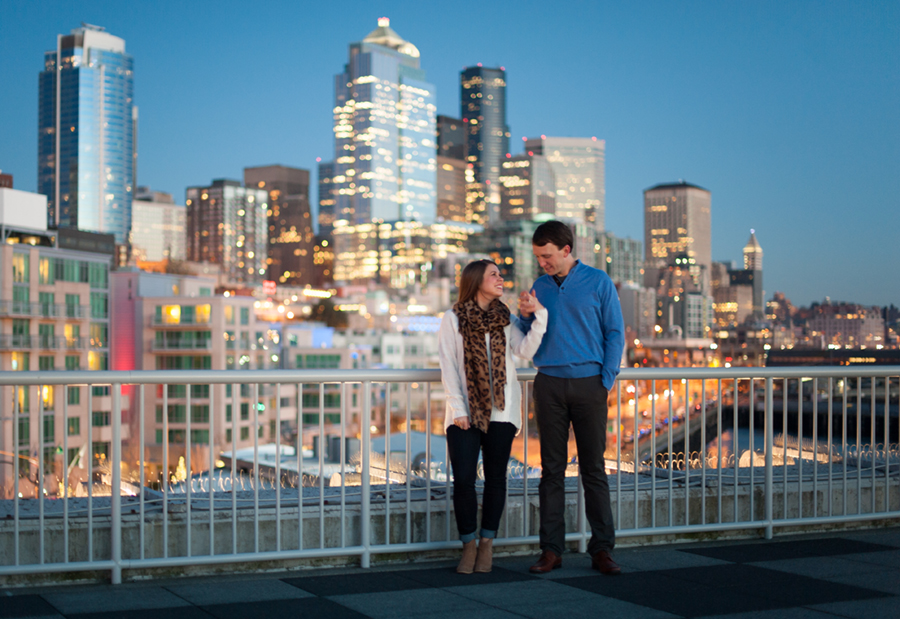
17 342
178 345
690 452
43 310
165 321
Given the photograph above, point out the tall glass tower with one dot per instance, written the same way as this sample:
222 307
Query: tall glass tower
385 160
86 132
483 110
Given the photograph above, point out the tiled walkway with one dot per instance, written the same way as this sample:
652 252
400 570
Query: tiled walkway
845 575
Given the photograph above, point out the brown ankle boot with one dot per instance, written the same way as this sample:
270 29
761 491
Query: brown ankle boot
485 555
467 562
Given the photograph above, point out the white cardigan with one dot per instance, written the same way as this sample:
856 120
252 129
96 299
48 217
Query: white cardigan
453 375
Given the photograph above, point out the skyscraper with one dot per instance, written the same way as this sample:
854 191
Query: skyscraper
677 221
528 188
86 126
579 167
227 225
384 130
483 110
290 254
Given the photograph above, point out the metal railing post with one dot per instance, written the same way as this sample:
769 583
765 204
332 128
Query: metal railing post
365 421
770 421
116 489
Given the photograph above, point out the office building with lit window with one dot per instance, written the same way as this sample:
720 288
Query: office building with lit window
528 188
621 258
677 221
157 227
384 130
451 189
54 295
86 125
451 137
290 253
327 199
579 166
482 100
753 262
509 245
227 224
398 254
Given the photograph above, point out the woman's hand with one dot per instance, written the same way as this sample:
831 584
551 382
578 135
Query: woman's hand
462 423
528 303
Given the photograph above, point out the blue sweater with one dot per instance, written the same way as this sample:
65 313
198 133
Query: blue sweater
585 333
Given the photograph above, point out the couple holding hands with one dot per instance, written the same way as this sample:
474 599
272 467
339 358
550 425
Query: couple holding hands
571 325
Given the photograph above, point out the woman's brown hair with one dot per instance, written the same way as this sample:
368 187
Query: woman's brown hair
471 278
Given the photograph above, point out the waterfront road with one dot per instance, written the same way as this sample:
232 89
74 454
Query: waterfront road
846 574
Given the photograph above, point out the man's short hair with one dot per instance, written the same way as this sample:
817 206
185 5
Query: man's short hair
555 232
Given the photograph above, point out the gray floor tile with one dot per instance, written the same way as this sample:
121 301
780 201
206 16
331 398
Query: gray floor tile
888 537
605 607
817 567
889 558
656 559
257 590
523 593
574 564
863 609
107 599
409 603
887 581
778 613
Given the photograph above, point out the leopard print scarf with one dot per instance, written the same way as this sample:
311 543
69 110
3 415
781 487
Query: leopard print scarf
473 324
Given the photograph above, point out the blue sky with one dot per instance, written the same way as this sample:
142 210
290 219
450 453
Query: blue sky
788 112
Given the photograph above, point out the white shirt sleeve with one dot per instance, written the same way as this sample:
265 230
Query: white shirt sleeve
524 345
449 343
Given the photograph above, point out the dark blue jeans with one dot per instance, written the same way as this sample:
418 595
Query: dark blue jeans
463 447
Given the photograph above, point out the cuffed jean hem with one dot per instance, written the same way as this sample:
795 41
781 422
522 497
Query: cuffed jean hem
488 534
468 537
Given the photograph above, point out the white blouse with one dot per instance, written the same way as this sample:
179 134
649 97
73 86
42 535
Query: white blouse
453 375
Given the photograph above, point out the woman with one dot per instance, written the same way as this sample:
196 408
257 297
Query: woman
478 339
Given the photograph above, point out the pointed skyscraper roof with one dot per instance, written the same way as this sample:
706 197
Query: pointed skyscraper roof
384 35
753 253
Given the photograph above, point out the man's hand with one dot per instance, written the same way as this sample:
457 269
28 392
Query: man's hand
528 303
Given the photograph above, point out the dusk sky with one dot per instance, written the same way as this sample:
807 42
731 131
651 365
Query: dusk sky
788 112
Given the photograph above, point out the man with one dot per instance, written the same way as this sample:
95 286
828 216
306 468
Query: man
577 363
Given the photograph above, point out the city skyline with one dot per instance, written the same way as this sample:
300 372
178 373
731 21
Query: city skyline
786 115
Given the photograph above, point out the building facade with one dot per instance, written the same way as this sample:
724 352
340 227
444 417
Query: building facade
579 168
398 254
677 221
451 137
528 188
451 189
157 227
384 130
482 100
86 126
624 258
53 316
227 225
291 239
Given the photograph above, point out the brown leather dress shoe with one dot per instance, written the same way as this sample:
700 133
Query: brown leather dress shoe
604 564
548 562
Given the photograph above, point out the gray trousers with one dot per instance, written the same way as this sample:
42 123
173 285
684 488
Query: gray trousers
581 402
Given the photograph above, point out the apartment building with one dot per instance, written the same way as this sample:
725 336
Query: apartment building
54 289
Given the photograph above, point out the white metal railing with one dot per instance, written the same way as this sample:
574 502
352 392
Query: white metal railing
689 450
